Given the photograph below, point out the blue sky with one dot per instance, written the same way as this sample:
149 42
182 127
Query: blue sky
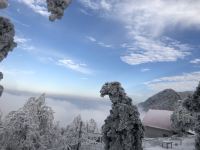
146 45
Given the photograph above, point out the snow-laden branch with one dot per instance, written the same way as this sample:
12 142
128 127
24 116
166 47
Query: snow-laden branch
56 8
7 33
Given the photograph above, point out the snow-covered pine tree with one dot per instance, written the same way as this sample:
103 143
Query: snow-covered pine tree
182 120
74 132
193 105
56 8
91 126
31 127
123 129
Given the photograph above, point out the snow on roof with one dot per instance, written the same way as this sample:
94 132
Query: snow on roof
158 119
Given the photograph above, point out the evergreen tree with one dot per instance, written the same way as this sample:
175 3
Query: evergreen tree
123 129
75 130
193 105
182 120
91 126
32 128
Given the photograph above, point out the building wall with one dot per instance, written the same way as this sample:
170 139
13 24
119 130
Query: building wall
155 132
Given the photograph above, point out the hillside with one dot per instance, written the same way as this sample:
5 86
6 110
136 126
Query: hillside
164 100
185 94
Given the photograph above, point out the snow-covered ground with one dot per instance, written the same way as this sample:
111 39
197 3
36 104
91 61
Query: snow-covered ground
156 143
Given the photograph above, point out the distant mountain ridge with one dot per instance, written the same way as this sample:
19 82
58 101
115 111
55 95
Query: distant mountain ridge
164 100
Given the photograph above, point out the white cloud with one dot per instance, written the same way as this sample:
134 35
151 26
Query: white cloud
92 39
38 6
21 40
146 21
156 14
145 69
97 4
184 82
102 44
145 50
79 67
195 61
24 43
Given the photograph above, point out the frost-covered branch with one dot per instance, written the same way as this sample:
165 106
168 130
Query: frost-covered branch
56 8
7 33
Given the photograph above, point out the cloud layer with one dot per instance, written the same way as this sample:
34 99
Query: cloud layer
183 82
64 110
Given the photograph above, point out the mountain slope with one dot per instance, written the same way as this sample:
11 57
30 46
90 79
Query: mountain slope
185 94
164 100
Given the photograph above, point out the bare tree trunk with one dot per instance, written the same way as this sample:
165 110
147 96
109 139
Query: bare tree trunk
79 136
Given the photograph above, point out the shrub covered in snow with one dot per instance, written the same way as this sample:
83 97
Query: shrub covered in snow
193 104
123 129
182 119
56 8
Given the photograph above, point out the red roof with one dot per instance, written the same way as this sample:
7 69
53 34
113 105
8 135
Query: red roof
158 119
